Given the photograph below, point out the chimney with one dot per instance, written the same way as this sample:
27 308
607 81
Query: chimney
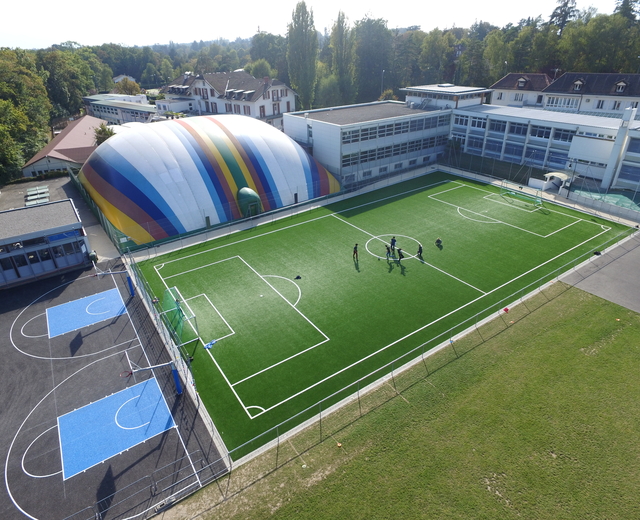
266 80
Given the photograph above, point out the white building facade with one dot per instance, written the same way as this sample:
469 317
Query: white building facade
228 93
361 142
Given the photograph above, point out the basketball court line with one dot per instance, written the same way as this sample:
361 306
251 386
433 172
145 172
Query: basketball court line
77 314
98 431
64 381
34 356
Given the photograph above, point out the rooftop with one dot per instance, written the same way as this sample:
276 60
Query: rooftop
37 219
548 116
446 88
361 113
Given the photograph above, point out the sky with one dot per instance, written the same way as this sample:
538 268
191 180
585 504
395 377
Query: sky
39 24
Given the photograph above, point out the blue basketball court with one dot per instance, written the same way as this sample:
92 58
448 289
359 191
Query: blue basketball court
94 433
85 311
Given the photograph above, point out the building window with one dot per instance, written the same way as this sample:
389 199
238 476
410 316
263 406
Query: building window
262 112
633 104
615 105
563 135
634 145
562 102
461 120
600 104
497 126
288 106
499 96
620 87
542 132
383 169
517 129
247 110
513 149
415 125
397 166
629 173
519 96
366 173
478 122
474 143
577 85
276 108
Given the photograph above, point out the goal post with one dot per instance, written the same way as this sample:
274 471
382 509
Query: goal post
517 193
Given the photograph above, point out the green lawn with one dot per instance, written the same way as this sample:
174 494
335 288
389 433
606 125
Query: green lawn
286 344
540 421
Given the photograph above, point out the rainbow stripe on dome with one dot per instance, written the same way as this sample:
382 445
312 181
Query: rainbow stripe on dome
158 180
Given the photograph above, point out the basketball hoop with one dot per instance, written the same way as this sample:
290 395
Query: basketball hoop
126 373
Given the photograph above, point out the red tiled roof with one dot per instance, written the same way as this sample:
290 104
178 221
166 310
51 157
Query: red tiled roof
75 143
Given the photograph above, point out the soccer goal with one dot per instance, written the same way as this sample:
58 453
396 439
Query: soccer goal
519 196
179 319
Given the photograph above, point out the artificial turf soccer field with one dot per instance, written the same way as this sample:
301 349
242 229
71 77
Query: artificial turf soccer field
284 344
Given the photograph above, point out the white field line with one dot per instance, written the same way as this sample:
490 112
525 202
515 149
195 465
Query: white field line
144 351
434 197
424 327
426 263
604 230
266 233
219 314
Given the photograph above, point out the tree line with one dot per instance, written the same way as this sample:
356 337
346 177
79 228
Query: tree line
350 63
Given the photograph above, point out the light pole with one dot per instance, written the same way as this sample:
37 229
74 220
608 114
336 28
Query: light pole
382 84
638 66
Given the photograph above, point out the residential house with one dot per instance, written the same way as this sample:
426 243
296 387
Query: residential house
69 149
228 93
603 94
520 90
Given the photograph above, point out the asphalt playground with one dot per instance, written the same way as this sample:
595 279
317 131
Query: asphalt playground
81 436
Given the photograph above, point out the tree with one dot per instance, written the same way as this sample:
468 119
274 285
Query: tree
24 111
437 57
68 80
102 133
302 50
496 53
563 14
126 86
259 69
372 53
627 9
342 59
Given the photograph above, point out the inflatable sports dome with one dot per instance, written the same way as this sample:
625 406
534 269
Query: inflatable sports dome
157 180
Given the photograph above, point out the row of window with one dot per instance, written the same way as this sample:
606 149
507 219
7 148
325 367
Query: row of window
386 130
541 132
9 263
510 151
562 102
384 152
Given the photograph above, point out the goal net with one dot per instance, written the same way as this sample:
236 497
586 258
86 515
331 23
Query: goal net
520 196
179 319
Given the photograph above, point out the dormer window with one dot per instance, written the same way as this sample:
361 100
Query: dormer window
620 86
577 85
522 82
